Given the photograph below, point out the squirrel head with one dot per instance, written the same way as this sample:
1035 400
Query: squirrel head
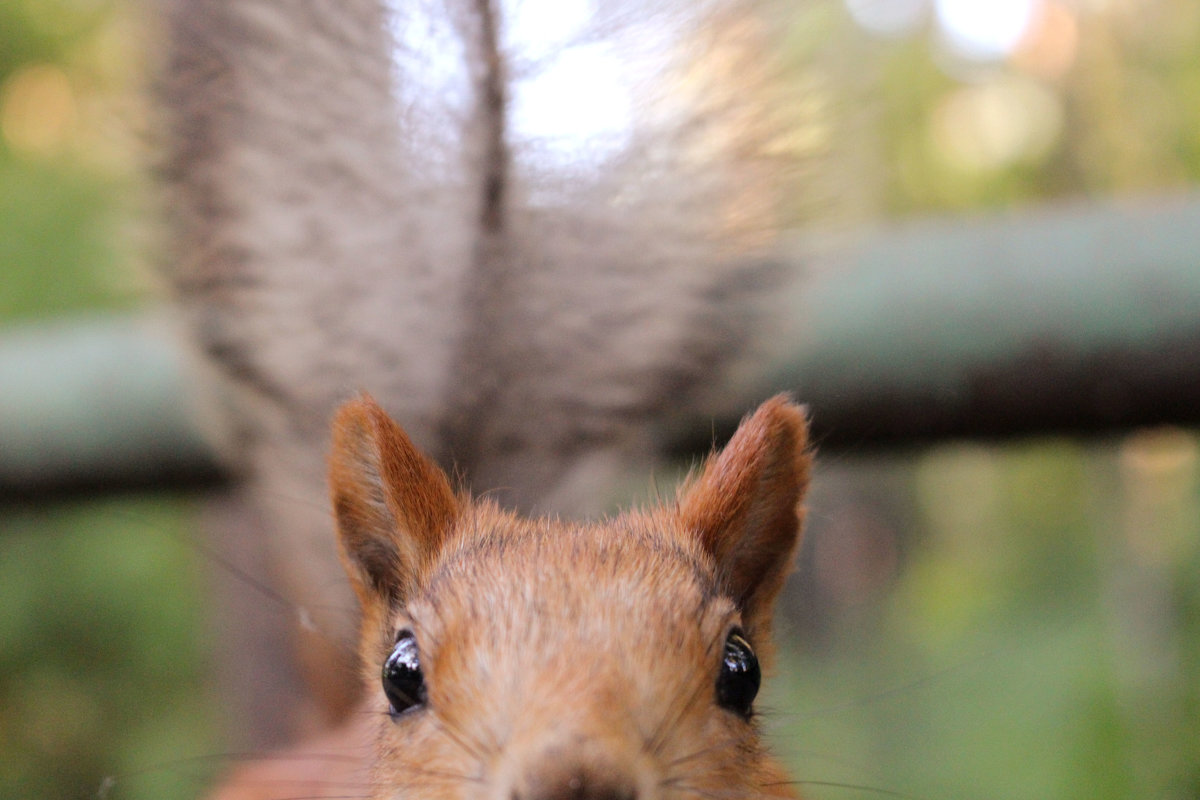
519 659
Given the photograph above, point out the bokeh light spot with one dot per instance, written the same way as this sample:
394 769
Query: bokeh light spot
984 29
37 110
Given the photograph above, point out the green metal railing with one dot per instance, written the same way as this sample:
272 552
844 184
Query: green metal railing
1076 320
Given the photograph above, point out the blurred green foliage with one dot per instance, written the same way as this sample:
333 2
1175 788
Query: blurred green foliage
102 672
1097 100
1038 638
1035 630
69 120
103 681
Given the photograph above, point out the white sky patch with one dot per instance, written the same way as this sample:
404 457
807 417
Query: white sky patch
571 98
429 57
984 29
534 26
576 103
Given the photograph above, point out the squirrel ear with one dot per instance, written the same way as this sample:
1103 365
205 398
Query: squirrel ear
745 507
392 505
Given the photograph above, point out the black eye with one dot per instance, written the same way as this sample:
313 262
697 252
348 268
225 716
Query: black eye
403 682
740 676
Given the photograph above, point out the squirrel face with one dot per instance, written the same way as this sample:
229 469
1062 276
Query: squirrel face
517 659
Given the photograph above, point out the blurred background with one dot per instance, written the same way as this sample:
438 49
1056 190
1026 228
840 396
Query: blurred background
971 619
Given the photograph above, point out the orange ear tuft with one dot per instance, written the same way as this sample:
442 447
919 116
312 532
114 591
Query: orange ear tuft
745 507
392 505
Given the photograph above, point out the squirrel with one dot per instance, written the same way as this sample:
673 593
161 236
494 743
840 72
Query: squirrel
357 199
354 200
537 659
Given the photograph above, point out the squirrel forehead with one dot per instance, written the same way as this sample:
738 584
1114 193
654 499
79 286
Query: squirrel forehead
631 576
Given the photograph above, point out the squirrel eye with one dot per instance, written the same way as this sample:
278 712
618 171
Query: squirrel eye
403 682
740 675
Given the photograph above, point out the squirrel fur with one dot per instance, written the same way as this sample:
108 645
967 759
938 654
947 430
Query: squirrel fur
556 660
339 226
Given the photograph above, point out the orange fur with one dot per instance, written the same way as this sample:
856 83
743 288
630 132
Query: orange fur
561 661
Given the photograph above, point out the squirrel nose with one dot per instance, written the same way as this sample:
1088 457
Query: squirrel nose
586 771
574 781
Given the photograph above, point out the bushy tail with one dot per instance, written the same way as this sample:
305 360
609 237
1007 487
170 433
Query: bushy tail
384 197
